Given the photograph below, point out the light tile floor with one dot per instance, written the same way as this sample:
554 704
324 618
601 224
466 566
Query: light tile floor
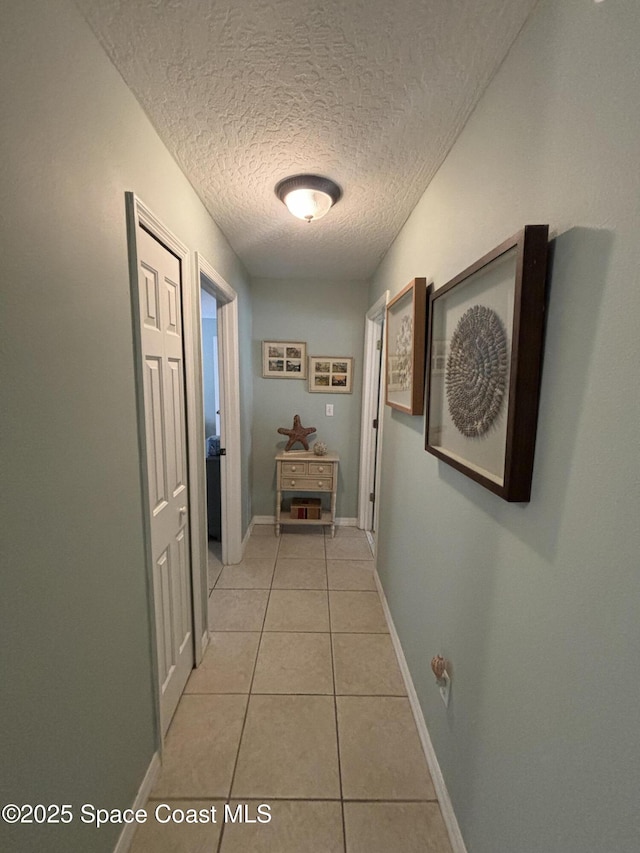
299 704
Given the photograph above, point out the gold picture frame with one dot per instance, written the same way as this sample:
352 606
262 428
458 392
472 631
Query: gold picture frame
284 359
330 374
406 332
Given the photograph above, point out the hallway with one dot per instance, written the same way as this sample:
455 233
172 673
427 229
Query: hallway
299 704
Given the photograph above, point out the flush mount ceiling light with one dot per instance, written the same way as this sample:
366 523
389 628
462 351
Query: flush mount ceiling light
308 197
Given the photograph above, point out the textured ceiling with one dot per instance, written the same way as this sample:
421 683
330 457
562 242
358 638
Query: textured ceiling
371 93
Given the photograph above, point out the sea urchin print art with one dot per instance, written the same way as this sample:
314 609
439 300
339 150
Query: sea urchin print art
404 344
477 367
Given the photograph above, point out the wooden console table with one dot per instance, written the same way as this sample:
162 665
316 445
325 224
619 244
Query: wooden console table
305 472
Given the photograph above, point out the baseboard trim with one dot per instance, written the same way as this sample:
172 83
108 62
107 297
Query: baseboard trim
126 836
271 519
246 536
204 642
372 541
262 519
446 806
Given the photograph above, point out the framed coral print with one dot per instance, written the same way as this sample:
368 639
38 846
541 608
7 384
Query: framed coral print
330 374
284 360
484 359
406 317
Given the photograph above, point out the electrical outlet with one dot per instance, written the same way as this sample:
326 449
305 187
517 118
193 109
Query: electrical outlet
329 410
445 688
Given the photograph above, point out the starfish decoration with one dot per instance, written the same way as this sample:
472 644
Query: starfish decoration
297 433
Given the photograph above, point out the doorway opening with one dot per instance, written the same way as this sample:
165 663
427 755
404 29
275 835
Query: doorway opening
372 419
212 426
220 407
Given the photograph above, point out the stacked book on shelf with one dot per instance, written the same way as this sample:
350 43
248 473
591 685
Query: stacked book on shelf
309 508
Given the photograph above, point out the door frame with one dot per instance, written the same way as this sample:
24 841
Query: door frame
229 390
138 213
372 407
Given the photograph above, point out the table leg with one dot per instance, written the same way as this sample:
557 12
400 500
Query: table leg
278 505
333 514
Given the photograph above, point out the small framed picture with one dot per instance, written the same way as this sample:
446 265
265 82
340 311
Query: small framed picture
330 375
284 360
406 315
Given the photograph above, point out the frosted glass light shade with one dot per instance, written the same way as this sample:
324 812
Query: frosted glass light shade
308 197
308 204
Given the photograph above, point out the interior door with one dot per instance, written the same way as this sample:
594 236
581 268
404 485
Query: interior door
160 300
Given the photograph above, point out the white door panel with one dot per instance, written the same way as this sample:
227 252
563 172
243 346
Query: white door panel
153 426
159 278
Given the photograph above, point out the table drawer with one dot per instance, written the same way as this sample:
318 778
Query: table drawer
298 468
307 484
323 469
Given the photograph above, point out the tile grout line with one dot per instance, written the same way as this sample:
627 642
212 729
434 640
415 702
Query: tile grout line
289 588
335 708
246 711
303 693
204 799
299 631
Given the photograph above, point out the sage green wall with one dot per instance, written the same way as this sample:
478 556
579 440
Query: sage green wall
329 316
536 605
77 708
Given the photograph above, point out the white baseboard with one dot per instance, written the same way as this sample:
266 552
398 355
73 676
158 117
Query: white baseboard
271 519
247 535
204 642
372 541
446 806
126 836
262 519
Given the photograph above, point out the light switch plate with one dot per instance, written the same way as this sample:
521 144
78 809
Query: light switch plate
329 410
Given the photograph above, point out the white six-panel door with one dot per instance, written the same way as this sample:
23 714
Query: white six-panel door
160 300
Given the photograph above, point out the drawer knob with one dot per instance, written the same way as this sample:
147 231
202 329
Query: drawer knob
320 484
293 467
321 468
293 482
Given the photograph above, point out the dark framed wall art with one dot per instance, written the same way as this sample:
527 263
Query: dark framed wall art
484 359
405 322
